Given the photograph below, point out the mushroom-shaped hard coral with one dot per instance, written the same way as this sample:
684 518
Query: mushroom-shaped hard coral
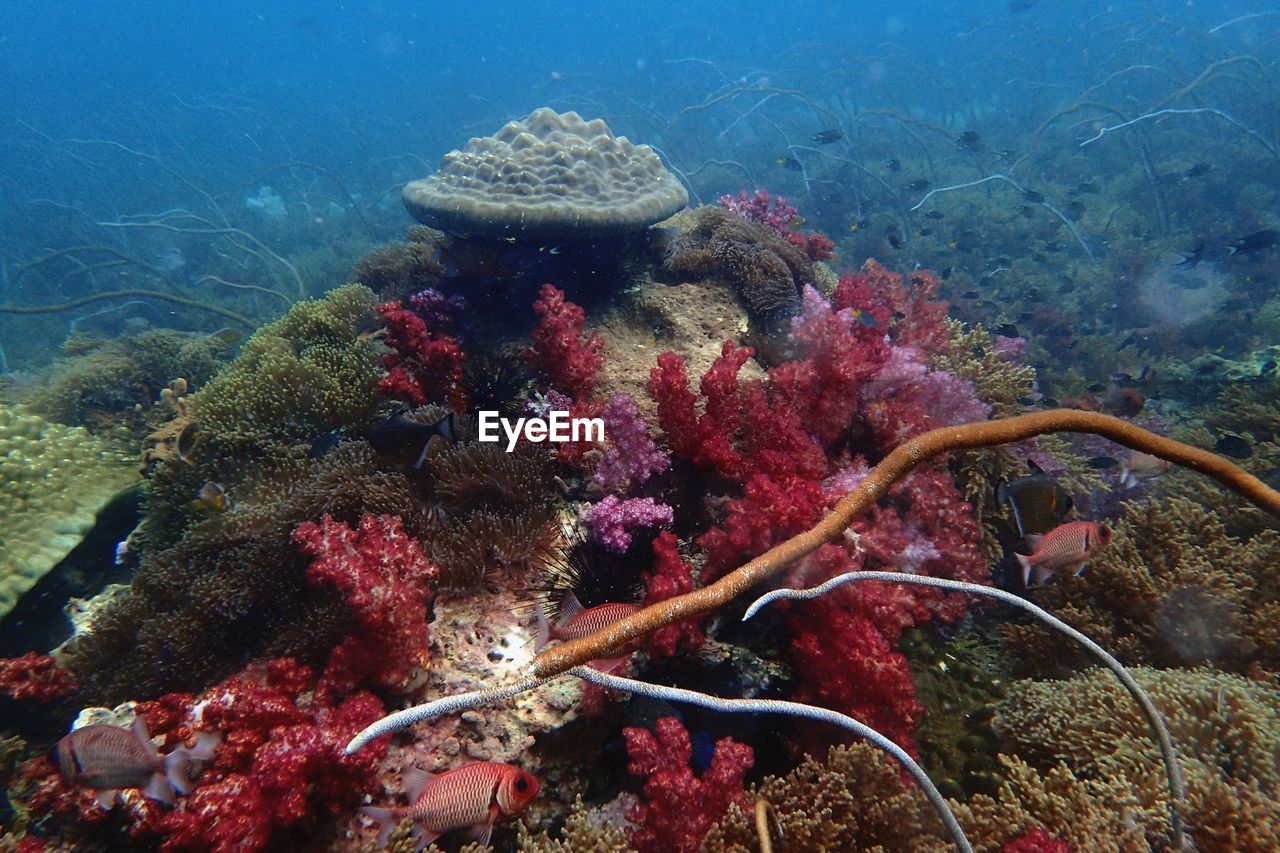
552 174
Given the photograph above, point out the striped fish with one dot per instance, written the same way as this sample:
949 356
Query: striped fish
575 622
1067 547
475 795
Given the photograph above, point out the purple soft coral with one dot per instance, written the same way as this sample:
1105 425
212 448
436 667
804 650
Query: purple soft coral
614 521
632 456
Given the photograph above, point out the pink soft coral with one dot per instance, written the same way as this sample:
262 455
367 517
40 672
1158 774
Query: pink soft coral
679 807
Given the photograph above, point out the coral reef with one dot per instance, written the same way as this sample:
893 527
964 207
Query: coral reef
560 354
425 364
56 480
678 806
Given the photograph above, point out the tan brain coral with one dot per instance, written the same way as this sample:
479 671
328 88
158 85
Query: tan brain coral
552 174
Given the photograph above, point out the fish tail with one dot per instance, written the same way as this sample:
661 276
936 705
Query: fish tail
176 766
1127 480
386 819
1025 562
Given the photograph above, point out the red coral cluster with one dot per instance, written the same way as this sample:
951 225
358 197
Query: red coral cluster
671 576
280 764
424 365
561 355
679 807
387 583
916 315
34 676
776 214
1037 840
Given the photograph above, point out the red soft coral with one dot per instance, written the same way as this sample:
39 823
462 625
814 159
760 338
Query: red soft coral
560 354
387 583
671 576
769 512
34 676
915 314
1037 840
679 807
423 366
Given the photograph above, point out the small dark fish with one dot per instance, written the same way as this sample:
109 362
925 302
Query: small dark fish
864 318
1132 373
1033 197
1037 501
1008 330
1074 210
1050 402
1199 170
1096 388
969 141
1256 242
410 441
1016 6
1087 187
790 164
935 215
978 352
826 137
1268 366
1193 257
946 273
970 294
918 186
1025 401
924 232
894 240
1229 444
324 442
1102 463
894 165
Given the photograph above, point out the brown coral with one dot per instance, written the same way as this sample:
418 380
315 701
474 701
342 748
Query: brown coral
766 270
399 270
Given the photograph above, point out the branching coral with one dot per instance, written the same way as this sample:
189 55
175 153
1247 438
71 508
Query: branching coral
566 360
1227 726
1175 589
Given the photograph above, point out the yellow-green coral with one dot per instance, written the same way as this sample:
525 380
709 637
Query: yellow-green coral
306 373
55 480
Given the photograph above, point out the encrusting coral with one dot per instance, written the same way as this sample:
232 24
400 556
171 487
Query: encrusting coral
56 479
1225 725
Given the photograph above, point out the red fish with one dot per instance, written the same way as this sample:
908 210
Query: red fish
107 758
576 622
1067 547
474 795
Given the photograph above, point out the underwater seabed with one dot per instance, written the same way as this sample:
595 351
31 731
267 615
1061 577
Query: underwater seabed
357 557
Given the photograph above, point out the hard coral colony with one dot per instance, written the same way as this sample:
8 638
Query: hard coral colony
375 554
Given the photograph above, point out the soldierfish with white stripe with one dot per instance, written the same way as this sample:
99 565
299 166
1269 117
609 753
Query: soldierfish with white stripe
1067 547
474 795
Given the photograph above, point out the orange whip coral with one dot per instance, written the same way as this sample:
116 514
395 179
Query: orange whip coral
892 468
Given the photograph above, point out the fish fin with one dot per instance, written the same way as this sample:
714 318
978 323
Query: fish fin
1033 540
609 666
1127 480
385 819
1084 564
139 730
1042 574
176 772
570 607
415 779
107 797
483 833
206 744
543 632
425 837
435 444
1025 562
160 788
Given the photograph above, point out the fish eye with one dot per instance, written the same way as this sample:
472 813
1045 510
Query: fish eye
522 784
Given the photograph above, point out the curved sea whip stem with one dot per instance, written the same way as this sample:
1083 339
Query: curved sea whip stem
1177 790
901 461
